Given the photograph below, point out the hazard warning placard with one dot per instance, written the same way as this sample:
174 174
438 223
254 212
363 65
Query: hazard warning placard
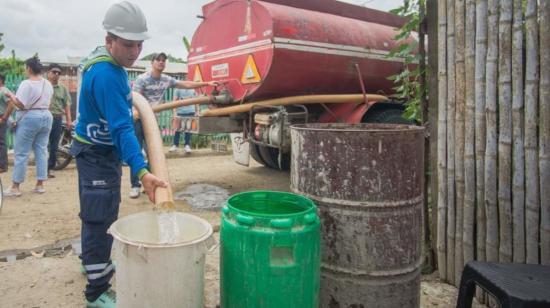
197 75
250 73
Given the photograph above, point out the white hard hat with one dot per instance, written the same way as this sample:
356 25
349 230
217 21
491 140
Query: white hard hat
126 20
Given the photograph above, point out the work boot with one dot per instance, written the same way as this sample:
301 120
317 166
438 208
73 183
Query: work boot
105 300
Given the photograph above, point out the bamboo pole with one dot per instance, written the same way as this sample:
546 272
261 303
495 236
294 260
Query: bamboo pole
459 135
481 56
518 159
505 130
480 133
429 262
155 152
532 194
442 141
451 218
433 44
544 133
490 174
469 135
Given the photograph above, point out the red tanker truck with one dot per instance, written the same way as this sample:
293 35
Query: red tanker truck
283 62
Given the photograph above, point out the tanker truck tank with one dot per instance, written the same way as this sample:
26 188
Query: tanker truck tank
276 48
292 62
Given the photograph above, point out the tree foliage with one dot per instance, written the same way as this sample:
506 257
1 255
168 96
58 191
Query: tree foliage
1 45
408 86
12 65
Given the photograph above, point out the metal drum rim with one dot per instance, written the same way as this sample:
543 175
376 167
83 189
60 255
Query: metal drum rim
359 127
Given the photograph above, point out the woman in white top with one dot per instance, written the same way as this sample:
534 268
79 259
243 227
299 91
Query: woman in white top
34 122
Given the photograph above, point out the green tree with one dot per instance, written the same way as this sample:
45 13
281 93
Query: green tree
1 45
12 65
408 85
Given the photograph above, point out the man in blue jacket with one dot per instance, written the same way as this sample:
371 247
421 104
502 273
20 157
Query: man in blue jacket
104 137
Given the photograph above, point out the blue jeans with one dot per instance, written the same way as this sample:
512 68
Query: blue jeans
99 171
55 134
33 131
3 147
186 136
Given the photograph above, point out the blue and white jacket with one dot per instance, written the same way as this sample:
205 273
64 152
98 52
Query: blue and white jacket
105 110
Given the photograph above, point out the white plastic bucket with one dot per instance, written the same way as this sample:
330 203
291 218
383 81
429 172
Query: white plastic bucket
150 273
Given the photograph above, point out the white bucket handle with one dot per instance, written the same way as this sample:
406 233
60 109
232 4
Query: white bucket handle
142 252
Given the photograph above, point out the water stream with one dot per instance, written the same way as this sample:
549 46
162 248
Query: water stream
169 231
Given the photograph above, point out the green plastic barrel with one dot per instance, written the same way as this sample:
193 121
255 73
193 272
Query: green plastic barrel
270 255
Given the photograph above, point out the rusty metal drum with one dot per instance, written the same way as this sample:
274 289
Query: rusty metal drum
367 182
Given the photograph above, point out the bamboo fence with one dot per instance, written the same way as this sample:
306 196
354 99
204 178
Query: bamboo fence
493 134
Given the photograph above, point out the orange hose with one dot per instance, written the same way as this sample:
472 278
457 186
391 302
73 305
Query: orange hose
295 100
155 151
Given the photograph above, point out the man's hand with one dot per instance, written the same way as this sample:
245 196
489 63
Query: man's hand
213 83
150 183
69 125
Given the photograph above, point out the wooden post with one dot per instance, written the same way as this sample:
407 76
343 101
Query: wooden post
442 141
544 132
532 194
451 218
505 130
459 135
518 159
490 175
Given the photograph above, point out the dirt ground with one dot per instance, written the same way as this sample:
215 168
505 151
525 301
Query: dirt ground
39 229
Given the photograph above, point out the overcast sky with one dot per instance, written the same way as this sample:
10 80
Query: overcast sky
60 28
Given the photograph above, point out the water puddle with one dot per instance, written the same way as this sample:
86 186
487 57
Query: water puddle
203 196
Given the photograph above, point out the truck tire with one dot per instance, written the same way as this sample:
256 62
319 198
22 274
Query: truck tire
255 153
271 158
386 115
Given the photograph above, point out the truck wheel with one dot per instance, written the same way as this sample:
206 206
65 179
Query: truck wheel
271 158
391 116
255 153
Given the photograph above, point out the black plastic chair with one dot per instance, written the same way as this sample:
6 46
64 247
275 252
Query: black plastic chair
512 284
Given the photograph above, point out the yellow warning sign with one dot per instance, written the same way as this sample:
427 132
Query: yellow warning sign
250 73
197 76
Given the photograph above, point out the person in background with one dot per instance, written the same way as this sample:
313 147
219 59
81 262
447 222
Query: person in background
34 122
5 111
184 111
60 106
152 86
105 136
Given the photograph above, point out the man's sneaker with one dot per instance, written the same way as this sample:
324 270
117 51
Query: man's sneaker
187 149
134 192
173 148
105 300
